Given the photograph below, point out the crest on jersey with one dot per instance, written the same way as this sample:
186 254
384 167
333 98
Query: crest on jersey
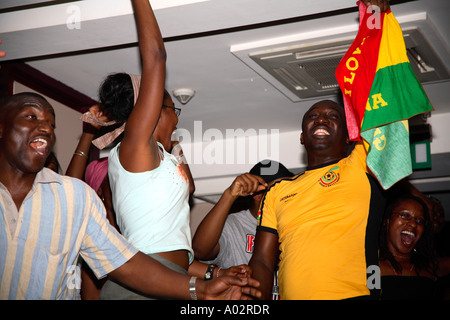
330 178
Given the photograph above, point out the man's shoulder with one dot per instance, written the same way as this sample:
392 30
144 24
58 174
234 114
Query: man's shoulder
49 176
285 183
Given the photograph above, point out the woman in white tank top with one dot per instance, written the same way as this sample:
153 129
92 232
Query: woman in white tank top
150 189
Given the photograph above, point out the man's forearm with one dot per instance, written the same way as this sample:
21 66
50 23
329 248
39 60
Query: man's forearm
150 277
265 277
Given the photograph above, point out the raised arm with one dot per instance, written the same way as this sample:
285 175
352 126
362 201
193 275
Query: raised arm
138 151
206 239
78 163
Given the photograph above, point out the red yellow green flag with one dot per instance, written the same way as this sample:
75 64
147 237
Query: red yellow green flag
380 93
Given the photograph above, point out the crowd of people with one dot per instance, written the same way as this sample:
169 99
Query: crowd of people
125 219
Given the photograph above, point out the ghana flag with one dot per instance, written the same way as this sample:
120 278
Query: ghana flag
381 92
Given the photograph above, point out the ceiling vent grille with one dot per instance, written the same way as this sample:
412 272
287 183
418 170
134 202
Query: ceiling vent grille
307 70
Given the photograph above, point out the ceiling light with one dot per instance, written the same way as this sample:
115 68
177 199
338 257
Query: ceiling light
183 94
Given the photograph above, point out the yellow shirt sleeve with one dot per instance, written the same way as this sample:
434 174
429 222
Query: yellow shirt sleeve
359 155
267 217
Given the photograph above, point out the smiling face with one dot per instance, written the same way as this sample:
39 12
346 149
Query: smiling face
26 132
324 131
405 226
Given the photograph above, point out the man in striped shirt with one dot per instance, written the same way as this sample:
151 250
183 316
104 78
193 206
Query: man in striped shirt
47 221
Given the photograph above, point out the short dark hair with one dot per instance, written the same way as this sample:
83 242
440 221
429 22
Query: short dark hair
5 101
321 102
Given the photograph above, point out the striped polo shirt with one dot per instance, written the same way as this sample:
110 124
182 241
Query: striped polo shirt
60 220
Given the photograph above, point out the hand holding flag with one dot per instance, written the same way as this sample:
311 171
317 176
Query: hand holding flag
380 93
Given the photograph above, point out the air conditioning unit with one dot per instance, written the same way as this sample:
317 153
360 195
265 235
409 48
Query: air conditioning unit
306 70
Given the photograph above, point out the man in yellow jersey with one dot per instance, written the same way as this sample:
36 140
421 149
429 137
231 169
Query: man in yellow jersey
323 223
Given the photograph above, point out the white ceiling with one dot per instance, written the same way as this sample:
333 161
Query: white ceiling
199 35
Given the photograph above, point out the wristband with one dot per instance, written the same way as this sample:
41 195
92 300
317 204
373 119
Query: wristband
192 291
210 272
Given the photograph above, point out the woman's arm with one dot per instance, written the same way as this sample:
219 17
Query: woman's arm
138 150
78 163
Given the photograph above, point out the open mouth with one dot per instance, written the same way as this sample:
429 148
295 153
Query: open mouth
40 146
321 132
407 237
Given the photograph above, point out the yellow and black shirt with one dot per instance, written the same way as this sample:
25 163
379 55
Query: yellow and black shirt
327 220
